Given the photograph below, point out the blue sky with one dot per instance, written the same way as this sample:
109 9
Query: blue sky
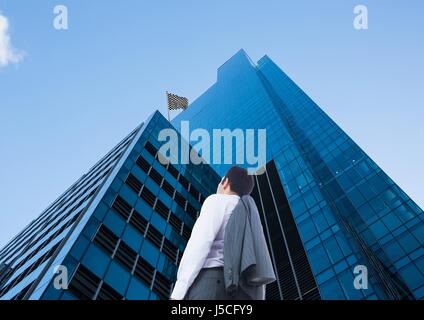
74 94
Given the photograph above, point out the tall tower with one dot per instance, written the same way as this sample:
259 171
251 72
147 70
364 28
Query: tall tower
118 232
330 213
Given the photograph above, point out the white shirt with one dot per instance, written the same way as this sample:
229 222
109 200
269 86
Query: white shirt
205 249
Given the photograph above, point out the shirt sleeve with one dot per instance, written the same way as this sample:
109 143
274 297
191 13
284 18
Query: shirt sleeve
202 236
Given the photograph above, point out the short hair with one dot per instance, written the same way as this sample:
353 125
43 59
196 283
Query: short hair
240 181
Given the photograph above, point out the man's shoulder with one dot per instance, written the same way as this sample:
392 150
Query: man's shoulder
221 198
220 201
213 199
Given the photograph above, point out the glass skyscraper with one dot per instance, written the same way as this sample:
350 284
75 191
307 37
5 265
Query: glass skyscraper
120 230
326 207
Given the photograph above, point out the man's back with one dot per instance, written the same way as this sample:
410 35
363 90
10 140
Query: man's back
205 248
201 271
222 205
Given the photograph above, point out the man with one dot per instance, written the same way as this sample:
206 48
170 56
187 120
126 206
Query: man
201 272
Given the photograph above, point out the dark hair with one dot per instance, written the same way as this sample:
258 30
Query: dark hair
240 181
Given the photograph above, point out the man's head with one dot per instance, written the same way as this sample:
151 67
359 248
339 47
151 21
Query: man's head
236 181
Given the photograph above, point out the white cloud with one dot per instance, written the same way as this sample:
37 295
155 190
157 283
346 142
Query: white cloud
8 54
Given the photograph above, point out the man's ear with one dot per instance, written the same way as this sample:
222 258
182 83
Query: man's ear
225 183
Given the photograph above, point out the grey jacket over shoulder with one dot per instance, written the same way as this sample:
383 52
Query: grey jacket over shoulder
247 263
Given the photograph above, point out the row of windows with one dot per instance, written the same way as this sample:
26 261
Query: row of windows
85 286
164 211
49 219
167 187
72 192
30 269
147 230
29 244
132 262
49 239
45 218
82 187
36 251
171 169
148 196
61 205
20 295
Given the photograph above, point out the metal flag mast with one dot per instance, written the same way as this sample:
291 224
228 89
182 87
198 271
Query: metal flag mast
169 116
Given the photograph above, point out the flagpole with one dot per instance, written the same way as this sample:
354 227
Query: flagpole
169 117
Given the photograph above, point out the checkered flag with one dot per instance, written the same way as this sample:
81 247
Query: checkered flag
176 102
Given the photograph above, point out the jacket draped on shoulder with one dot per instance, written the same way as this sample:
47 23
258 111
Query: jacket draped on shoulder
247 263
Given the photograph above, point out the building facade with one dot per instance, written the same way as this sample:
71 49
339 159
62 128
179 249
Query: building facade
118 232
329 212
